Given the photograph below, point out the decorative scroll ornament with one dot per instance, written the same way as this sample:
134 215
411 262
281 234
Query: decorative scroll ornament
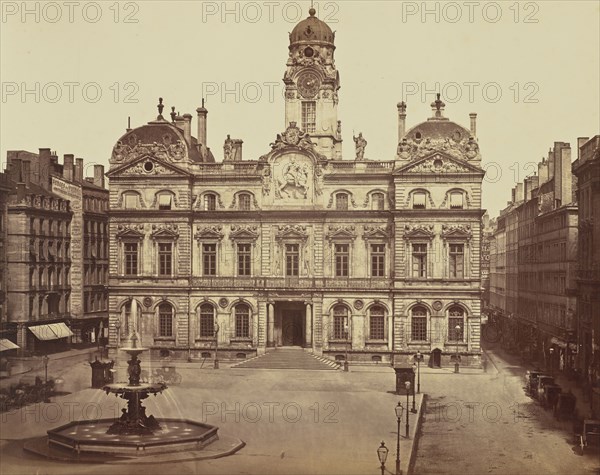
130 231
457 146
437 164
373 231
294 137
291 231
164 151
142 168
170 231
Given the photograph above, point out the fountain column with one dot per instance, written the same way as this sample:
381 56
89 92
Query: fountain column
270 324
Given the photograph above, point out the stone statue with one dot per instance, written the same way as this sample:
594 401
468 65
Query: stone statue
228 151
361 144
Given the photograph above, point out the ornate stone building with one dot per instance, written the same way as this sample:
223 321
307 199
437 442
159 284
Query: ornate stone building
302 246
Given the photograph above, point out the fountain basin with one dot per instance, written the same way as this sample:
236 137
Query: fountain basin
143 388
91 437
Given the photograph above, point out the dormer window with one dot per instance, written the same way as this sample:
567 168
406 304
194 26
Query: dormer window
341 201
245 201
377 201
419 200
456 200
210 202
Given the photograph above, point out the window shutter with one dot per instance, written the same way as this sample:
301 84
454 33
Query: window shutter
419 200
456 200
164 201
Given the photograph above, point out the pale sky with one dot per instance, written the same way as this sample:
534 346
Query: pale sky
542 57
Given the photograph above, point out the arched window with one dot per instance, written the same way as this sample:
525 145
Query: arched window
165 320
245 201
242 321
456 323
210 202
207 321
341 201
377 323
377 201
340 322
164 200
418 324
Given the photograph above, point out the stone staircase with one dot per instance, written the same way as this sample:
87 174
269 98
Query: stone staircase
288 358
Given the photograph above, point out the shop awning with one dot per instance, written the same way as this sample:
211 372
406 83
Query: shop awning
6 345
52 331
558 342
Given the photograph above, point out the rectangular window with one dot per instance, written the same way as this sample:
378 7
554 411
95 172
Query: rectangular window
164 201
245 202
457 261
419 260
131 258
309 117
341 202
244 259
456 200
418 328
165 321
453 333
209 259
165 258
418 200
242 322
340 323
377 324
210 202
292 260
377 260
342 256
207 323
377 201
130 201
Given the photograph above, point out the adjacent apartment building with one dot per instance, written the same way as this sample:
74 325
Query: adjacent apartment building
57 241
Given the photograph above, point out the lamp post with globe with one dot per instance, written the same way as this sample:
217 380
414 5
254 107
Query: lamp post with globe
382 453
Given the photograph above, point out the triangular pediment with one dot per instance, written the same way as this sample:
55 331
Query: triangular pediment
133 233
244 232
458 231
166 232
142 168
341 232
437 163
292 232
209 232
424 231
376 232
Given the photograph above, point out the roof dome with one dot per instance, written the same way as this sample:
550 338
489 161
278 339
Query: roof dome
312 30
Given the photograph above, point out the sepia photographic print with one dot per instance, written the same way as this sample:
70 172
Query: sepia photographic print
300 237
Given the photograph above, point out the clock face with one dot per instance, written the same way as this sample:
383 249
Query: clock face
308 84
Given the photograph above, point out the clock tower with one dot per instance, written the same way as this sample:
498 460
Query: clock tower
311 85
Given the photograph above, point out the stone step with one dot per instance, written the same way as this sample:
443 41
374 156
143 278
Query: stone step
288 358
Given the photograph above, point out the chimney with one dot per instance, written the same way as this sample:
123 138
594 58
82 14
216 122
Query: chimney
237 149
79 170
519 192
187 127
401 120
99 175
45 160
543 171
68 166
550 164
473 117
202 113
25 172
562 173
580 142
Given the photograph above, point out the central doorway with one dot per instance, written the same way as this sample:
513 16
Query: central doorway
289 323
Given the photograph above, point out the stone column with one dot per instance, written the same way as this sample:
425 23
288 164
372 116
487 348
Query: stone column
270 324
308 326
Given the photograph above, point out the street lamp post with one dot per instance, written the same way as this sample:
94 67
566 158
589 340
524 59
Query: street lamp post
456 365
398 410
346 333
407 384
382 453
551 350
413 410
118 328
45 360
419 357
216 346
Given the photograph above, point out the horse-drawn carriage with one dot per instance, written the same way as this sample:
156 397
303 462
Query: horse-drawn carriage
589 439
531 381
549 396
565 405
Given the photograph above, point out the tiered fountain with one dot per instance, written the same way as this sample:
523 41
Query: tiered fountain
134 434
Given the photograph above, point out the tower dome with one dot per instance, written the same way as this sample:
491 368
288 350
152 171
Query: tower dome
312 30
